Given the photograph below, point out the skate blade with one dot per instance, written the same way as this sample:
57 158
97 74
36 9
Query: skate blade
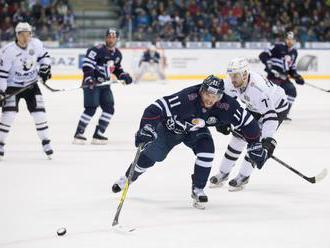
99 142
235 189
78 142
215 185
199 205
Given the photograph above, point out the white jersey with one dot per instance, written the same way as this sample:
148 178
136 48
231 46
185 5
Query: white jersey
263 98
19 67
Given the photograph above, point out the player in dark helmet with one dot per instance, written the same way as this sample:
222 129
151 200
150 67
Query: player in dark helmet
100 63
184 117
280 61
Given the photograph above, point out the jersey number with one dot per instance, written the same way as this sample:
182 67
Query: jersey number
92 55
265 101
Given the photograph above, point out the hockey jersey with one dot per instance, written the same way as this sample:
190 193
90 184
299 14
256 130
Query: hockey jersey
19 66
262 98
281 58
178 113
100 63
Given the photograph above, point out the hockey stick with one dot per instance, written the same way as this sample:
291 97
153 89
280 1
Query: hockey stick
314 179
317 87
115 221
18 91
81 87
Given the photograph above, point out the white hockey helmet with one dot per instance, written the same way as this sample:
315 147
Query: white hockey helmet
23 27
238 70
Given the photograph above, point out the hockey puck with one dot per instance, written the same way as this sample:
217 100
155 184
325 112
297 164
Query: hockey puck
61 231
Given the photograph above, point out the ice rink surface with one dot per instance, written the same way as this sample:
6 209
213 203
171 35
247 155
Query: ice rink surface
277 208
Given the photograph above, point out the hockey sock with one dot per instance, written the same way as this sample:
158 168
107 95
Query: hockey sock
142 165
7 119
40 121
84 120
234 150
104 121
246 167
202 169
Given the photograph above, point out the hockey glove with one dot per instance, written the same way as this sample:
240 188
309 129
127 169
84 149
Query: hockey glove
90 82
145 135
44 72
126 77
269 144
223 128
257 154
299 79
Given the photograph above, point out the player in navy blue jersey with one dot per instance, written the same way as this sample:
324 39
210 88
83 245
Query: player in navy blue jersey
184 117
100 63
280 62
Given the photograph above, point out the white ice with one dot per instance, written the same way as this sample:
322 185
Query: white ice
277 209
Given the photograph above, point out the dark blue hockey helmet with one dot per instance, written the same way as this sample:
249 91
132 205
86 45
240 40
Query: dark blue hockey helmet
213 85
112 31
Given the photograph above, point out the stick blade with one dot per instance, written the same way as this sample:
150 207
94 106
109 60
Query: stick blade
321 175
123 229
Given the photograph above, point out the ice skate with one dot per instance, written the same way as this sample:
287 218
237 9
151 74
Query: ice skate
238 183
199 198
79 139
217 180
2 151
47 148
119 184
98 138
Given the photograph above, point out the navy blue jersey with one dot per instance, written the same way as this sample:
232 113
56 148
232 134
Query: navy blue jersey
178 111
150 57
281 58
100 62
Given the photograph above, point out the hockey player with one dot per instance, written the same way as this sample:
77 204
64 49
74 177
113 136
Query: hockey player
183 118
280 62
150 61
100 63
268 104
21 63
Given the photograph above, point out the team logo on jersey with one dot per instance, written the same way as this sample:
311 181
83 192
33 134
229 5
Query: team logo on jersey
211 120
27 64
31 52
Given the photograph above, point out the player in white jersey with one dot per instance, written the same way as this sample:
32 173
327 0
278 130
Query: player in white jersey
268 104
21 63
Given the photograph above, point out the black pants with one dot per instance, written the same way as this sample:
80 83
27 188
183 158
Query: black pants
32 97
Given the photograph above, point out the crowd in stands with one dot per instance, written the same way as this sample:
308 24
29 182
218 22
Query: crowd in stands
225 20
52 20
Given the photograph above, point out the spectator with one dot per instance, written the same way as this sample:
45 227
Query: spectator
51 21
238 20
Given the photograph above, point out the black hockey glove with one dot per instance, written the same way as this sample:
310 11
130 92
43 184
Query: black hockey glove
257 154
145 135
90 82
44 72
126 77
223 128
269 144
299 79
